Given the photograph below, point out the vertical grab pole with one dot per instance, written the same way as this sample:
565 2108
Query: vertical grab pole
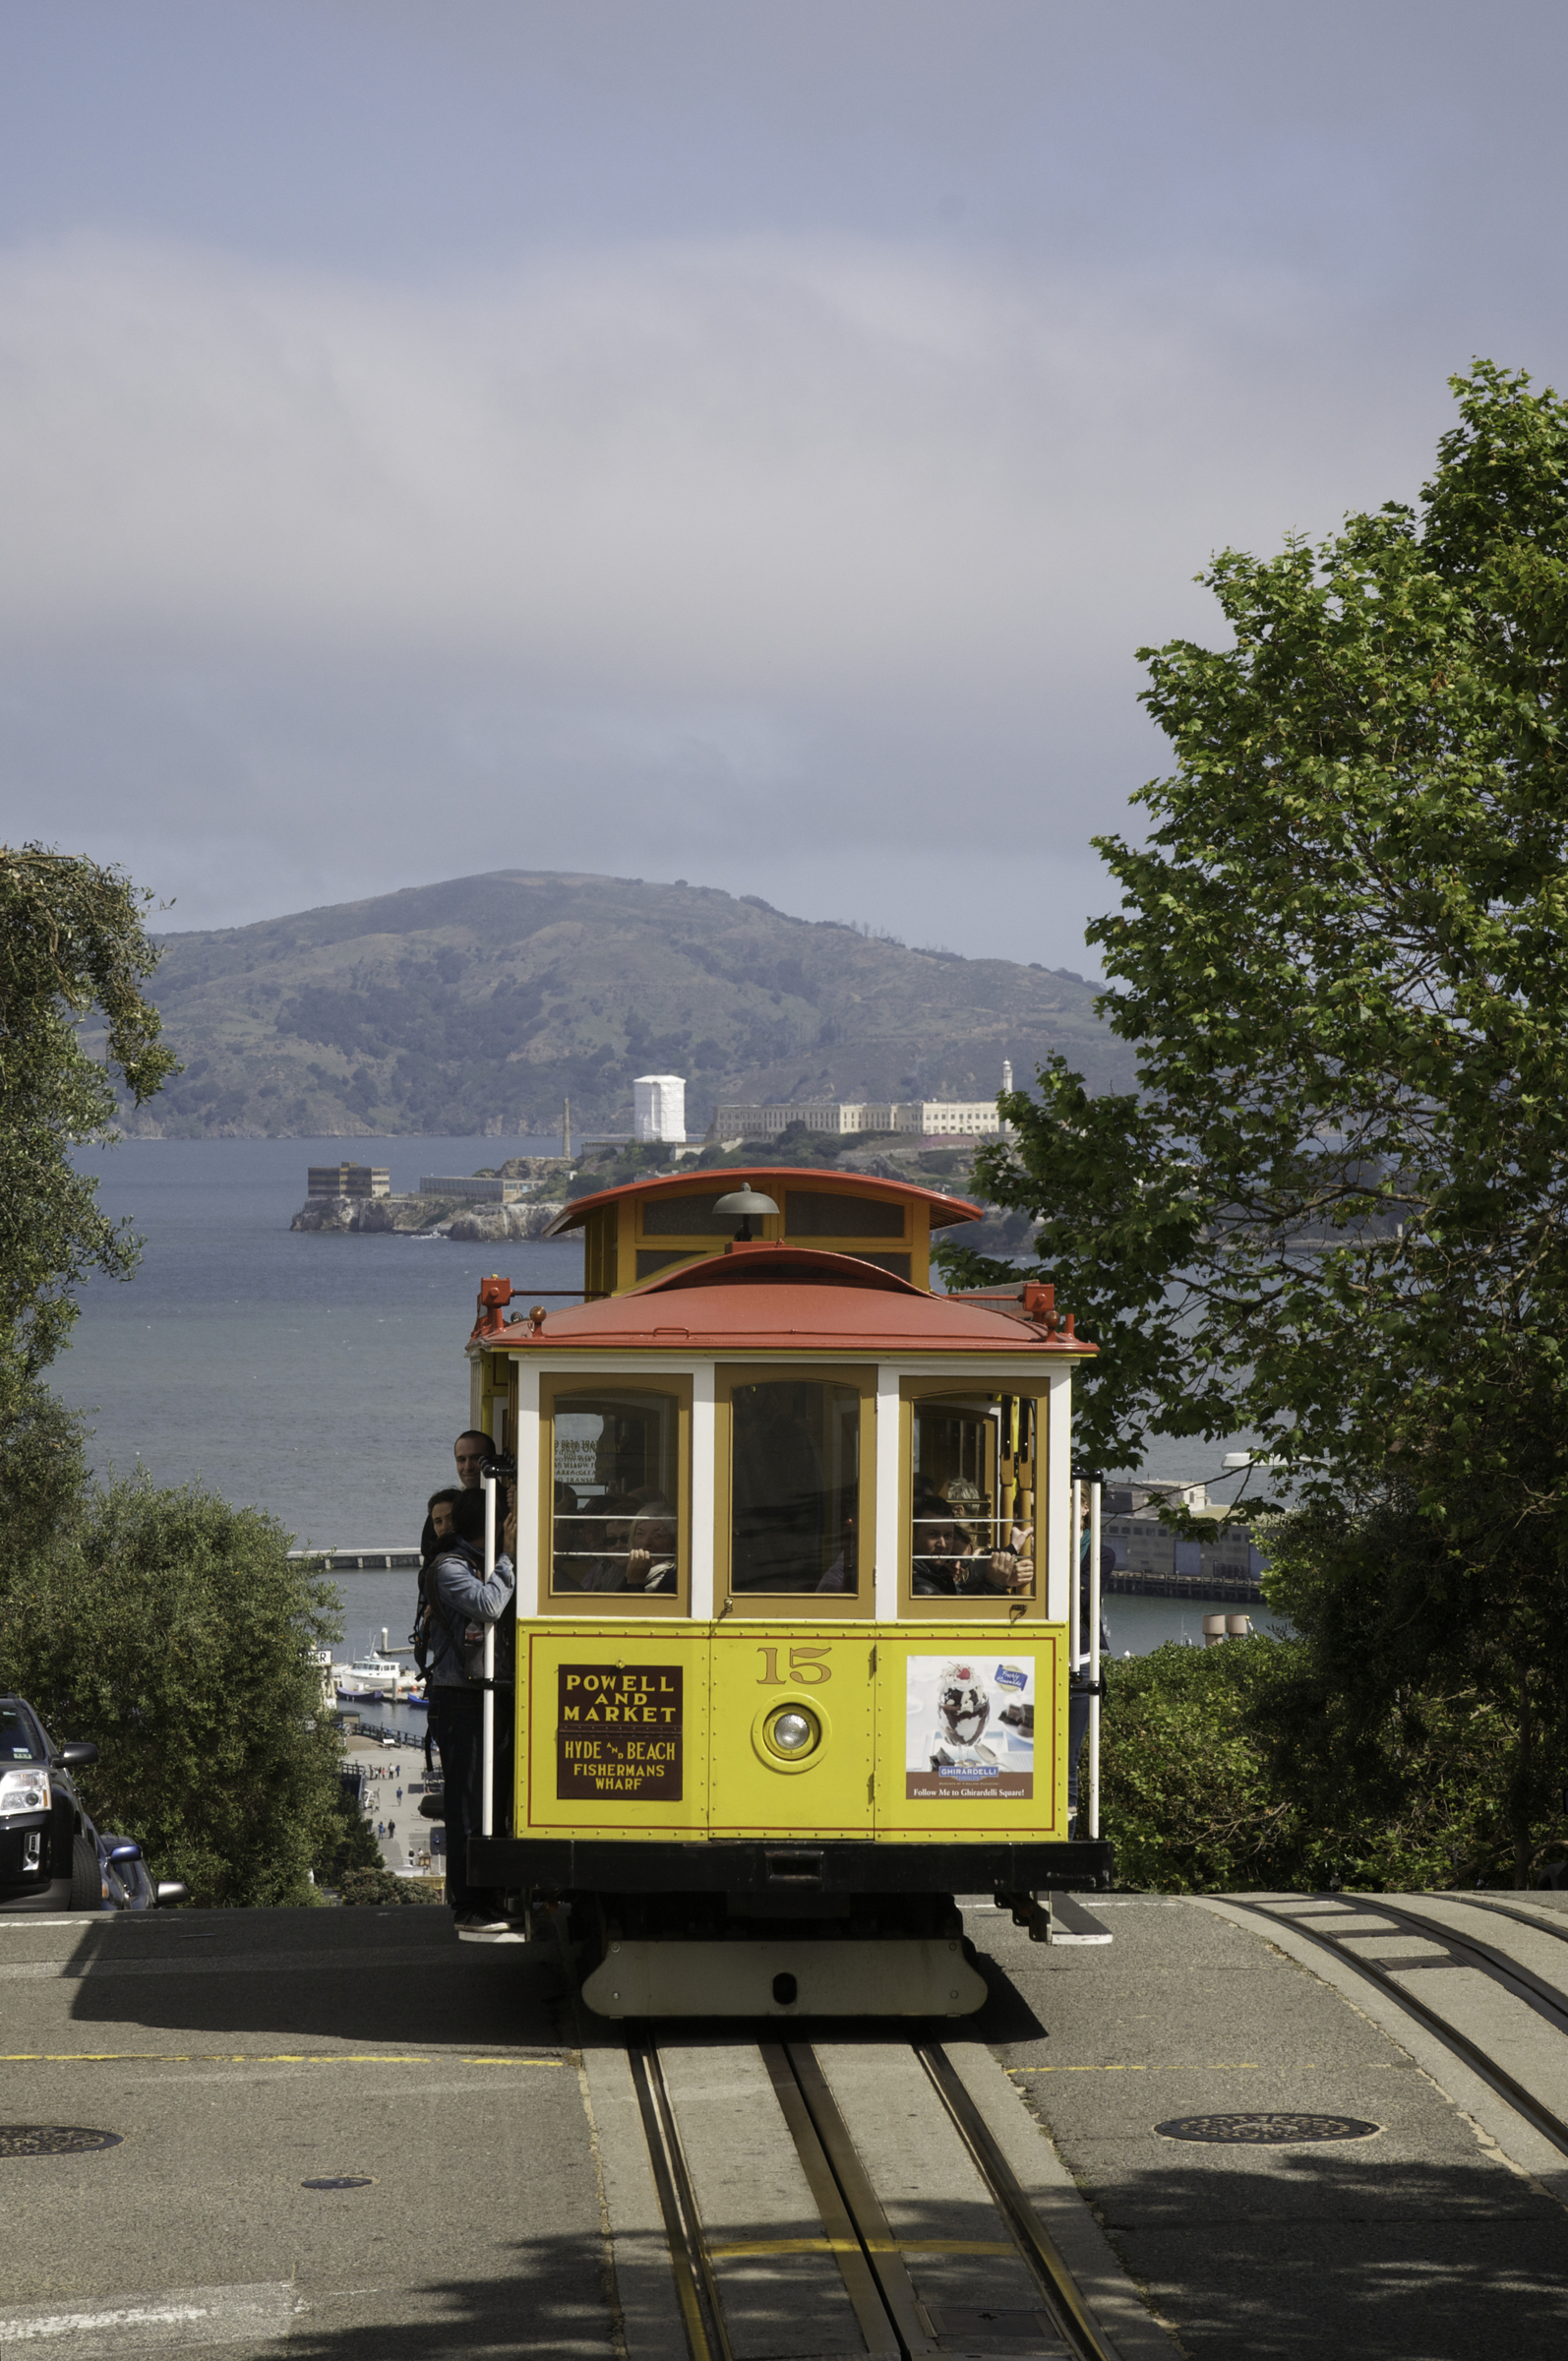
1072 1594
487 1703
1094 1657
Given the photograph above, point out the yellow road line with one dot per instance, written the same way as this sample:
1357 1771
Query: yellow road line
511 2061
853 2246
1140 2066
244 2057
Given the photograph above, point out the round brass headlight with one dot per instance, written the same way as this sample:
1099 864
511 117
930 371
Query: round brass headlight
793 1733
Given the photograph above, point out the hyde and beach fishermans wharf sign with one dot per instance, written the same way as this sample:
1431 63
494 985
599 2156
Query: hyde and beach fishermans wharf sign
617 1731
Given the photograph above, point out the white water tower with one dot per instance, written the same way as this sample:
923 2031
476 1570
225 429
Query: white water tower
658 1108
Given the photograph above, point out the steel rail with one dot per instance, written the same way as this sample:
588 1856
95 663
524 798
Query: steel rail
1039 2249
1497 2078
696 2292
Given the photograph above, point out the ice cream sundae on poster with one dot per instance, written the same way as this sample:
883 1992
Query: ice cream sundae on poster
969 1727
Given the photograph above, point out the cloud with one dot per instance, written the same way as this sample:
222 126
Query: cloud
648 547
727 470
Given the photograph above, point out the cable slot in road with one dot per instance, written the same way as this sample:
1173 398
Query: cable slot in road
873 2259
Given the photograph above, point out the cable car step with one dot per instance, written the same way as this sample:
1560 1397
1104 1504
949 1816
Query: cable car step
1070 1922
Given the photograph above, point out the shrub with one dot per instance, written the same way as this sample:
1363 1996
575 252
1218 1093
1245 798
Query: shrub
365 1889
1189 1792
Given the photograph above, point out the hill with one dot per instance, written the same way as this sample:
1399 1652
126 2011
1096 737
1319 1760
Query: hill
478 1005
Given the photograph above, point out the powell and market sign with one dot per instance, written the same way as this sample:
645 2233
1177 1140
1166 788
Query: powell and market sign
617 1731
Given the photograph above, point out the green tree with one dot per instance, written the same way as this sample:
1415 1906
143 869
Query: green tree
73 953
1189 1795
349 1844
374 1889
177 1632
1395 1727
1335 1210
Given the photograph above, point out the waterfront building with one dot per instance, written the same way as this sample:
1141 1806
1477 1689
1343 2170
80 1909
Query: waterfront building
472 1190
349 1180
658 1108
928 1119
1220 1560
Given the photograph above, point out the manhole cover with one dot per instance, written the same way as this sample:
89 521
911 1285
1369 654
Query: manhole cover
342 2180
1265 2131
53 2139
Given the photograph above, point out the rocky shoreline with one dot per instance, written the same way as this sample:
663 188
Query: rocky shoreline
430 1217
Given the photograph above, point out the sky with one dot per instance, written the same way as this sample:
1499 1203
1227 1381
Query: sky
684 438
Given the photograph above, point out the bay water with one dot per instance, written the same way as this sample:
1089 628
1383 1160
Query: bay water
319 1377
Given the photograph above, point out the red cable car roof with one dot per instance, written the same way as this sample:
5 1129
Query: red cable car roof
719 1179
783 1299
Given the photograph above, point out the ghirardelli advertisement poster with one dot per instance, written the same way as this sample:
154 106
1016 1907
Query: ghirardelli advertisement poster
617 1732
970 1729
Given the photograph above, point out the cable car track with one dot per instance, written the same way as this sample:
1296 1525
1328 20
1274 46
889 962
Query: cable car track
1508 1972
1503 1909
893 2323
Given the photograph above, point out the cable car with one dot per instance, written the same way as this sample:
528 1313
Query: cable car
796 1593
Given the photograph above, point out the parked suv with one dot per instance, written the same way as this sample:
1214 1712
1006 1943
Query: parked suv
51 1856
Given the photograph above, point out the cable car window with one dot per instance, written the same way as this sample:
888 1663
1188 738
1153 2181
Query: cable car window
972 1506
814 1213
688 1215
795 1487
615 1524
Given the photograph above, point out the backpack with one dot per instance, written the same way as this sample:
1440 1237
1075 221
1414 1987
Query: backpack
431 1620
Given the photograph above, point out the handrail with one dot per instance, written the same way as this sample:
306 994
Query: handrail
1094 1657
487 1703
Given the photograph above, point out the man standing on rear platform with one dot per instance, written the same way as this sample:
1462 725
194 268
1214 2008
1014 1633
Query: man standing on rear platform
466 1602
470 1451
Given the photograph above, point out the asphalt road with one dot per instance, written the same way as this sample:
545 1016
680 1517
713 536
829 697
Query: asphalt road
241 2055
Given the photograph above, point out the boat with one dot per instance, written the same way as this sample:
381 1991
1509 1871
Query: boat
376 1676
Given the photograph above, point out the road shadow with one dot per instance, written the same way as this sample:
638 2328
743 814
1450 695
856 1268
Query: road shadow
1004 2015
316 1975
1349 2255
547 2296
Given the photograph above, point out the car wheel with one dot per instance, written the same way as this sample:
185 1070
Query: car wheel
86 1877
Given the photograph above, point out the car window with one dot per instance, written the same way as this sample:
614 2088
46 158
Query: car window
19 1739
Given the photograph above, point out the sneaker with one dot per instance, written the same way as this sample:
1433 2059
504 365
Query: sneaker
476 1925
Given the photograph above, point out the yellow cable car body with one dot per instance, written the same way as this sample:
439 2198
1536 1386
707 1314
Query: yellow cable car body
793 1563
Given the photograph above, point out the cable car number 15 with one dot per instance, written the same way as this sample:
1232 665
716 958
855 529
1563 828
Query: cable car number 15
807 1668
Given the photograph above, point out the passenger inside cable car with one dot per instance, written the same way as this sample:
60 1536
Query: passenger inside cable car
616 1478
951 1560
971 1521
651 1548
